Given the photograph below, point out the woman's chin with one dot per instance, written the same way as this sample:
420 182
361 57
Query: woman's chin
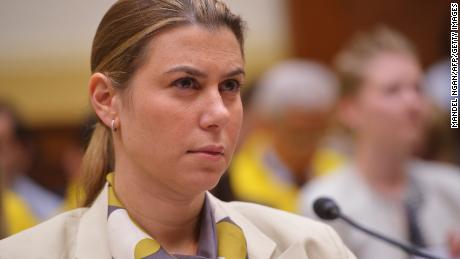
202 181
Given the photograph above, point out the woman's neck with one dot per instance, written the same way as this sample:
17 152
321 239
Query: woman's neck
171 220
384 170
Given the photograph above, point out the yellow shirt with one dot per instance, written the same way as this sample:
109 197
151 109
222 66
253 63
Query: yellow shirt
252 180
18 216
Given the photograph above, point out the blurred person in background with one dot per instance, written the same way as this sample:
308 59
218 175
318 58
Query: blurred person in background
385 188
26 202
292 106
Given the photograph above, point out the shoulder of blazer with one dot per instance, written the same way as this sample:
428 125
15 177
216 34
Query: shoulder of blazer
54 238
285 231
282 224
77 234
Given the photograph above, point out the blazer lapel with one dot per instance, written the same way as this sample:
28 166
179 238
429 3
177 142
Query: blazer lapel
92 237
260 246
295 251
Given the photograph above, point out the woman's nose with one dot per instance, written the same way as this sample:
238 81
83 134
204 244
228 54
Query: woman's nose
415 101
414 97
215 113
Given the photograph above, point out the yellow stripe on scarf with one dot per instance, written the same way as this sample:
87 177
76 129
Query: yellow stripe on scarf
231 241
146 247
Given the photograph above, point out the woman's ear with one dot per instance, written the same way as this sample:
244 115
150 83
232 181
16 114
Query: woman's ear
103 98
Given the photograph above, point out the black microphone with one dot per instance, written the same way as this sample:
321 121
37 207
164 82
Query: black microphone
327 209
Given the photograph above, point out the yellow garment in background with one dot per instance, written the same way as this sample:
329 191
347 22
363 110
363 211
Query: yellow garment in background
18 216
73 197
252 181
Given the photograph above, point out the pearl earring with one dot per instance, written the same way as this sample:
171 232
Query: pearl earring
114 128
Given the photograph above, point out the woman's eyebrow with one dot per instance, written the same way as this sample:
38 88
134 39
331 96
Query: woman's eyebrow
235 72
196 72
187 69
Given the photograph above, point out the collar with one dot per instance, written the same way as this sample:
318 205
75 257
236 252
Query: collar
93 242
259 245
128 240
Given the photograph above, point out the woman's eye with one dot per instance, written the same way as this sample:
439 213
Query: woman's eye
418 88
186 83
392 89
230 86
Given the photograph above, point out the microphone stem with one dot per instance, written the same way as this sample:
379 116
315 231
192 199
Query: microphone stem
408 249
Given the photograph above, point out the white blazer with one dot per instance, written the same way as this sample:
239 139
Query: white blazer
270 234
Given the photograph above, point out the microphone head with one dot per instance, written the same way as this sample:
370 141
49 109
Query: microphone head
326 208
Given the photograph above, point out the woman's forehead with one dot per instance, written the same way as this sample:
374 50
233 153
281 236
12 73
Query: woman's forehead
390 66
194 44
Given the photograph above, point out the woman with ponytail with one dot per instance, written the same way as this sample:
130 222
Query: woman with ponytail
165 86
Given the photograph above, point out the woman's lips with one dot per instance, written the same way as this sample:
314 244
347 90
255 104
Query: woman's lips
211 152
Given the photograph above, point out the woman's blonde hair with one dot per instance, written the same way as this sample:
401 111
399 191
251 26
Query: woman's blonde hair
118 50
354 57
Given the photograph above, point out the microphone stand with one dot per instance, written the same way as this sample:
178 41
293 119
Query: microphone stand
408 249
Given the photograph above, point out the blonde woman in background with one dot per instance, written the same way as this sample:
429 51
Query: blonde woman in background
385 187
165 86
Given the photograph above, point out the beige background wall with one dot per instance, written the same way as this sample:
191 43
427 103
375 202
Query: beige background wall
45 48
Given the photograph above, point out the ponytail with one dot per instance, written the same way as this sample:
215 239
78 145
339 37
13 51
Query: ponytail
98 161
